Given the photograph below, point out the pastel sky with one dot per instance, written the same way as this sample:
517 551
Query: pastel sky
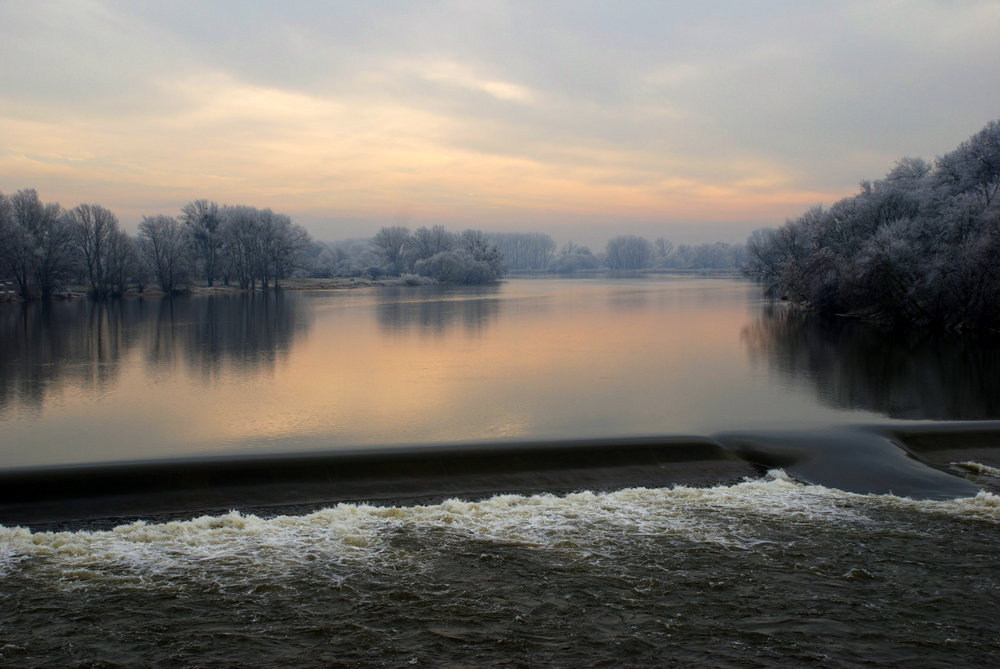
697 121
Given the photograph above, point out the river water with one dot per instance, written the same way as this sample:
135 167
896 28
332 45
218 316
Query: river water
790 555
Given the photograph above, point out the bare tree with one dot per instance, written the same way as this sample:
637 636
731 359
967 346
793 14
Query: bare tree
162 242
291 243
261 245
204 225
664 247
391 245
629 252
525 250
122 263
35 245
427 242
93 230
243 247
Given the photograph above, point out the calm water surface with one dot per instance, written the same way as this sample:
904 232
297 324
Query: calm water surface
153 378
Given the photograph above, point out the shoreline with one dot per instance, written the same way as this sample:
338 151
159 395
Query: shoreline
350 283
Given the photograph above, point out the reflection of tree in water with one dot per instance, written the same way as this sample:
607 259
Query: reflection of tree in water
46 347
438 309
852 365
248 330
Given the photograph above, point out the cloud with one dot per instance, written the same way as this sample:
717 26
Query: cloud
460 75
645 111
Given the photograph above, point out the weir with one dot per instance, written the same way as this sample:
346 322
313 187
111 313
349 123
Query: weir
131 489
909 460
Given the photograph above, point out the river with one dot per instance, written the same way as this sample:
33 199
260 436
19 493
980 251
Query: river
646 471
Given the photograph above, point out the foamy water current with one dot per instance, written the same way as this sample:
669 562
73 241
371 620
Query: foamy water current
769 572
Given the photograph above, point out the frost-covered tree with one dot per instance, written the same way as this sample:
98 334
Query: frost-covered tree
163 249
260 246
391 244
919 247
204 228
525 250
628 252
36 244
427 242
106 252
571 258
474 259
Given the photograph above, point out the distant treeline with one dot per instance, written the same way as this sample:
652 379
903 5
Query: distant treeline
466 257
44 249
919 247
396 251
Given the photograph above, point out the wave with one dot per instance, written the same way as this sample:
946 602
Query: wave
977 468
736 517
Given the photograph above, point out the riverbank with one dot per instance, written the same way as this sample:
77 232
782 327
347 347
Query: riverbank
334 283
349 283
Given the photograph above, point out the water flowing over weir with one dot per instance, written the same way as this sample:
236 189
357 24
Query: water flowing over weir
769 572
868 459
765 570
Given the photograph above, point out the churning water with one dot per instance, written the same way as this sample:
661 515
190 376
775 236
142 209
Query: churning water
768 572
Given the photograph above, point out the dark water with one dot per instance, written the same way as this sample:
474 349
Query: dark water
770 573
906 375
868 543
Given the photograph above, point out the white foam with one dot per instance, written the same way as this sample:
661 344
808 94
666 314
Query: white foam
977 468
345 536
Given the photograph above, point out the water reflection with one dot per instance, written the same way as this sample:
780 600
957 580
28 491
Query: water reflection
47 347
527 359
247 330
853 366
435 310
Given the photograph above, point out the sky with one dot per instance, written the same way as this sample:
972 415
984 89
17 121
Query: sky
696 121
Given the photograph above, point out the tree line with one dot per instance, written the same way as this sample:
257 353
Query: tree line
395 251
44 248
920 247
633 252
469 256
